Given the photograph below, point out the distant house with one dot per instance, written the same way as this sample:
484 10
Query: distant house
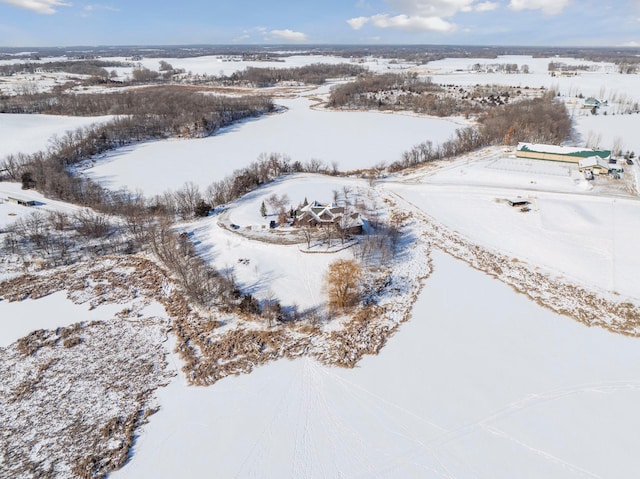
319 215
591 103
21 202
566 154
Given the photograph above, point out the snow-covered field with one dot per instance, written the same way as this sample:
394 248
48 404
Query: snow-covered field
601 81
481 383
31 133
226 65
11 212
269 270
351 139
585 236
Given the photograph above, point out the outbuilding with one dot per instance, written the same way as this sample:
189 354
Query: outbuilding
598 166
21 202
565 154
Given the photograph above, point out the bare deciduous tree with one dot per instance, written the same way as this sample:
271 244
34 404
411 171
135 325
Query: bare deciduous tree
342 284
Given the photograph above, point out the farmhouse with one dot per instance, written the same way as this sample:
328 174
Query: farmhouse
318 215
564 154
21 202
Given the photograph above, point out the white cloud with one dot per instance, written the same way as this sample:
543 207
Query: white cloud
548 7
486 6
288 35
95 7
412 23
358 22
422 15
631 44
38 6
431 8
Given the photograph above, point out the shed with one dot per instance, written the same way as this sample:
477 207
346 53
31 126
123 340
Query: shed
517 202
20 201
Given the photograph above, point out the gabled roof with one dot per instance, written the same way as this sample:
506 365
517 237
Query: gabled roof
593 161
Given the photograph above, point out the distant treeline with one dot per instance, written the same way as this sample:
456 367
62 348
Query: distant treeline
315 74
96 68
412 53
408 92
163 110
539 120
142 114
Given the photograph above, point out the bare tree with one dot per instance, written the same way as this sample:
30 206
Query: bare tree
187 199
342 284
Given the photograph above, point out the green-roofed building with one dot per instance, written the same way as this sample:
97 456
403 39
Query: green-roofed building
566 154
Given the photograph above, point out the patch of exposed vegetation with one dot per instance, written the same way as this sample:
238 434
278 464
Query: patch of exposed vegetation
73 398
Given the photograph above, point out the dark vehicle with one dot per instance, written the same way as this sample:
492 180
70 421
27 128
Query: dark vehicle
629 161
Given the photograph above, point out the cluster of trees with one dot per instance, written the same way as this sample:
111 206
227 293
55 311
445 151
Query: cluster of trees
97 68
144 115
501 67
392 91
538 120
59 238
562 67
173 105
315 74
265 169
367 90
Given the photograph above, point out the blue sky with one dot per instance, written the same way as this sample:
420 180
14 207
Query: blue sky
470 22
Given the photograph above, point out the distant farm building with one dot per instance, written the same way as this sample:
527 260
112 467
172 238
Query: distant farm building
21 202
595 164
564 154
598 166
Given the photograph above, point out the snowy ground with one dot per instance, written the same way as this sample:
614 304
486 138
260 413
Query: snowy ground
351 139
483 384
11 212
225 65
31 133
268 269
602 81
587 237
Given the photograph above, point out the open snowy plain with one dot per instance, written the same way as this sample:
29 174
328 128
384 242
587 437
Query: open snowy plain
481 382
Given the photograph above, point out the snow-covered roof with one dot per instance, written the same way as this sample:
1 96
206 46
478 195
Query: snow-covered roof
593 161
562 150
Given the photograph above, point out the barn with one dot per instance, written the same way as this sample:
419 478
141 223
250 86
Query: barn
565 154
